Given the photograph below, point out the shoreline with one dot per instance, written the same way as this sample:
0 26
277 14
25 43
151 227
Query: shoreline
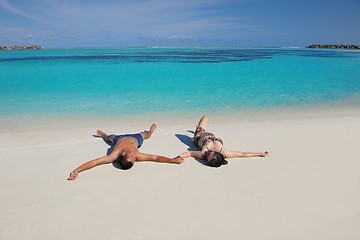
348 108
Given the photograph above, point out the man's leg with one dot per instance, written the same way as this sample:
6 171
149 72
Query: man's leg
107 138
147 134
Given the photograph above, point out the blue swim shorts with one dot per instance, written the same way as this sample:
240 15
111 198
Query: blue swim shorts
137 136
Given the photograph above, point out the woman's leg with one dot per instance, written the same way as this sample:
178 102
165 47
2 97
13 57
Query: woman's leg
200 129
203 122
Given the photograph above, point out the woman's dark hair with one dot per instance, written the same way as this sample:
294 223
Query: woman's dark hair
218 160
125 164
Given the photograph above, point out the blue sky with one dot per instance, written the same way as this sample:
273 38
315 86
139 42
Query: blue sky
126 23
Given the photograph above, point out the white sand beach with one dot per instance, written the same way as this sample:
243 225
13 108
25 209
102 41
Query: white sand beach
308 187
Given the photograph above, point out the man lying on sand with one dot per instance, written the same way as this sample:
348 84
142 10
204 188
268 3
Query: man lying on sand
125 151
212 148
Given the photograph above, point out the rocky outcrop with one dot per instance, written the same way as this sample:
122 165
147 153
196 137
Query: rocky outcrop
33 47
332 46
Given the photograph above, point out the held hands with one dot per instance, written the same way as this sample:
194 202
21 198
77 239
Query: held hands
185 155
180 159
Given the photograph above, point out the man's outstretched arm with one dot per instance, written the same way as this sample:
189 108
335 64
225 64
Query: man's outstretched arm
90 164
154 158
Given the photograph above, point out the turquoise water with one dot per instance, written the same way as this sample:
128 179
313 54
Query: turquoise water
89 82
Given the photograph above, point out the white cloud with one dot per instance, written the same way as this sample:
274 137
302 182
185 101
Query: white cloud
127 20
176 37
133 18
5 4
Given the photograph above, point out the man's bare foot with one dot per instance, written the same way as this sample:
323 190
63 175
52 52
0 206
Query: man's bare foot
101 133
147 134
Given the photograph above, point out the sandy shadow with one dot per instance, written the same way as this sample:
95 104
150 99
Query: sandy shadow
189 141
111 146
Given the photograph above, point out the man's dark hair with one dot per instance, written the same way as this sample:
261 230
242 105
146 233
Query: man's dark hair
125 164
218 160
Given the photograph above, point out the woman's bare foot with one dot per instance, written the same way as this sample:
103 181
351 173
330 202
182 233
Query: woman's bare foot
152 128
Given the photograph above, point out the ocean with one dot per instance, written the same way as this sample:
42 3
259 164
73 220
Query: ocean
118 82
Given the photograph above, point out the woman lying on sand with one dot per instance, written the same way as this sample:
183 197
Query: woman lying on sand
212 148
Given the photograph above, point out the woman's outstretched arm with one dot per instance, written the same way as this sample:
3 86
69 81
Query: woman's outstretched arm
236 154
194 154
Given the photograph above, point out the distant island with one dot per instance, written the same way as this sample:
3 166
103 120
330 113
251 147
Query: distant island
11 48
333 46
